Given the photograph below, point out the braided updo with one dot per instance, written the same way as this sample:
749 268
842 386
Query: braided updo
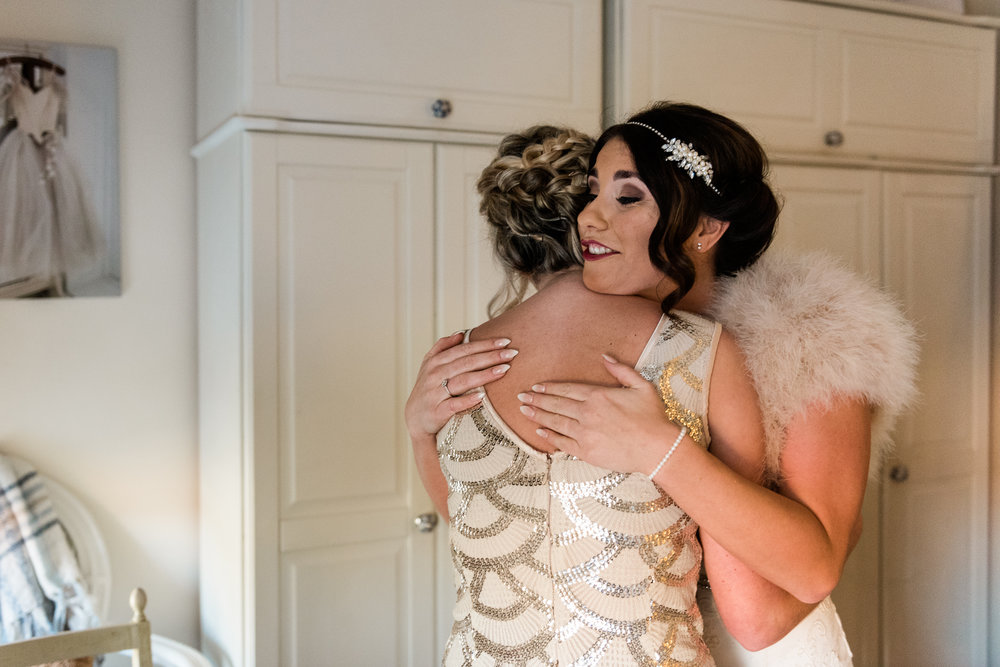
531 194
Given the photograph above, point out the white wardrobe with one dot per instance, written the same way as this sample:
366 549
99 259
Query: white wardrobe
339 143
338 238
880 127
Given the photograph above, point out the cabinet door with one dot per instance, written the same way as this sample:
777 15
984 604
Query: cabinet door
807 78
500 65
834 210
342 314
839 212
913 89
468 275
759 62
935 494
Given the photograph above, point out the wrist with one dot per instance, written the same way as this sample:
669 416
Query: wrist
670 452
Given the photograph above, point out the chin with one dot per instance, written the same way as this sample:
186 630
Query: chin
594 284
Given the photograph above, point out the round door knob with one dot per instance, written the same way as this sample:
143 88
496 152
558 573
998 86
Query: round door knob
441 108
899 473
833 138
425 522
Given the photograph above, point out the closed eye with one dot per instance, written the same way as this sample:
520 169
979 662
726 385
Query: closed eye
625 201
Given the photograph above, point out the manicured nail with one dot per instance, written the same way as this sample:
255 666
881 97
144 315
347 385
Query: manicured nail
527 411
611 360
508 354
456 333
501 369
540 388
542 432
501 342
480 392
524 397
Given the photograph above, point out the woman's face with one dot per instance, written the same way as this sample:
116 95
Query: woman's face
615 228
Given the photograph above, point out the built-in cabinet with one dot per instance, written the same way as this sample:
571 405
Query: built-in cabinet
317 302
926 237
441 64
339 236
813 79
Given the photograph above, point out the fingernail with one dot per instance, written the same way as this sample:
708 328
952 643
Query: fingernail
524 397
540 388
527 411
455 333
501 369
480 392
609 359
542 432
501 342
508 354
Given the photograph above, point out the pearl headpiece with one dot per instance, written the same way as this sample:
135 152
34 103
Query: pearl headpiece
686 157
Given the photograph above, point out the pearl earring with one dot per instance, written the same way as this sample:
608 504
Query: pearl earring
699 245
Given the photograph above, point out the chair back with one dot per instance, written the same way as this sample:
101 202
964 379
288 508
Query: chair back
86 643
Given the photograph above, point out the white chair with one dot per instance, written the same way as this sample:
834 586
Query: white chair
86 643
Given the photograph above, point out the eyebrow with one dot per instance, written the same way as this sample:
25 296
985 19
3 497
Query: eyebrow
619 175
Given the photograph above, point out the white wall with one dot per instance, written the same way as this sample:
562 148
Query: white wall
100 393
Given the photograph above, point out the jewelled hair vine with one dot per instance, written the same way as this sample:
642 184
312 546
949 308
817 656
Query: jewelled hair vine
686 157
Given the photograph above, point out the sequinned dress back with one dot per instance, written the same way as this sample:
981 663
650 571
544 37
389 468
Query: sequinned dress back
559 562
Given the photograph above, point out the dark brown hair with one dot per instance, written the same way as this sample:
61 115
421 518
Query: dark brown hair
744 198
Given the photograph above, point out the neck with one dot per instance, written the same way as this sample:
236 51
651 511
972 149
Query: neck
699 298
540 281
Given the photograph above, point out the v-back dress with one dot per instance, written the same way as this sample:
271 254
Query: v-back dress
559 562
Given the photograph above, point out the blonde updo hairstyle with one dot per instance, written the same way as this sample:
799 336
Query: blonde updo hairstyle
530 196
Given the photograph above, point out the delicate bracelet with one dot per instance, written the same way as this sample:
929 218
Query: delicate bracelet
680 436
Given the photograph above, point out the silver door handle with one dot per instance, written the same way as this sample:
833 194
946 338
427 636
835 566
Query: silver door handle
426 522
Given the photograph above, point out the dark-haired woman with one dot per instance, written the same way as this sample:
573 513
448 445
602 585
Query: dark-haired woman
558 560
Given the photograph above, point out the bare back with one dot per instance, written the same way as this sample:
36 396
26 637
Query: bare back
560 333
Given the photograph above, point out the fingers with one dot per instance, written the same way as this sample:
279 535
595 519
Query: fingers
463 382
445 343
576 391
450 351
555 420
625 374
560 441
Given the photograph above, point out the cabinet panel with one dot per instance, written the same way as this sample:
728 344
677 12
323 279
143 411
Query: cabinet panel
468 275
809 78
759 68
914 89
500 65
834 210
354 278
935 526
370 631
839 211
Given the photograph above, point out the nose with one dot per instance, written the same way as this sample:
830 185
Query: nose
591 217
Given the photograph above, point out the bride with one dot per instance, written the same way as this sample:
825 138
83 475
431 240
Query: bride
831 358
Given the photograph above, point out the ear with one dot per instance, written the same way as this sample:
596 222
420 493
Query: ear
708 233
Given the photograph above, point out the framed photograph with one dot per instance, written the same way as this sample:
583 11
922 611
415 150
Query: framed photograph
59 199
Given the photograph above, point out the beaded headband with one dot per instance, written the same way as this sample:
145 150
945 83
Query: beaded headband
686 157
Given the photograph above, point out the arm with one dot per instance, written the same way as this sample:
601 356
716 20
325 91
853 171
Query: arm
798 547
756 612
430 405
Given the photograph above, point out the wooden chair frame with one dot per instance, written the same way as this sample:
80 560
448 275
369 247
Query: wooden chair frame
86 643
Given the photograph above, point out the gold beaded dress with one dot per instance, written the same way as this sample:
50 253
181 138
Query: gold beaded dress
559 562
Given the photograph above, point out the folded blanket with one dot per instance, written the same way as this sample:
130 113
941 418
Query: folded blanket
42 590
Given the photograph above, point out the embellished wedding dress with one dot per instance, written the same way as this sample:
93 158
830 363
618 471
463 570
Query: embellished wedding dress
811 330
561 562
47 225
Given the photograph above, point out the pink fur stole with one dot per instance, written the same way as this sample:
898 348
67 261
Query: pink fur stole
812 330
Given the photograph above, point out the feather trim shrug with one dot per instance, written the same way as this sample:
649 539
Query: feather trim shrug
812 330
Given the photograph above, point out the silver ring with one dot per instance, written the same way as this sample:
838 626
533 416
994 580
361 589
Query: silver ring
444 383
